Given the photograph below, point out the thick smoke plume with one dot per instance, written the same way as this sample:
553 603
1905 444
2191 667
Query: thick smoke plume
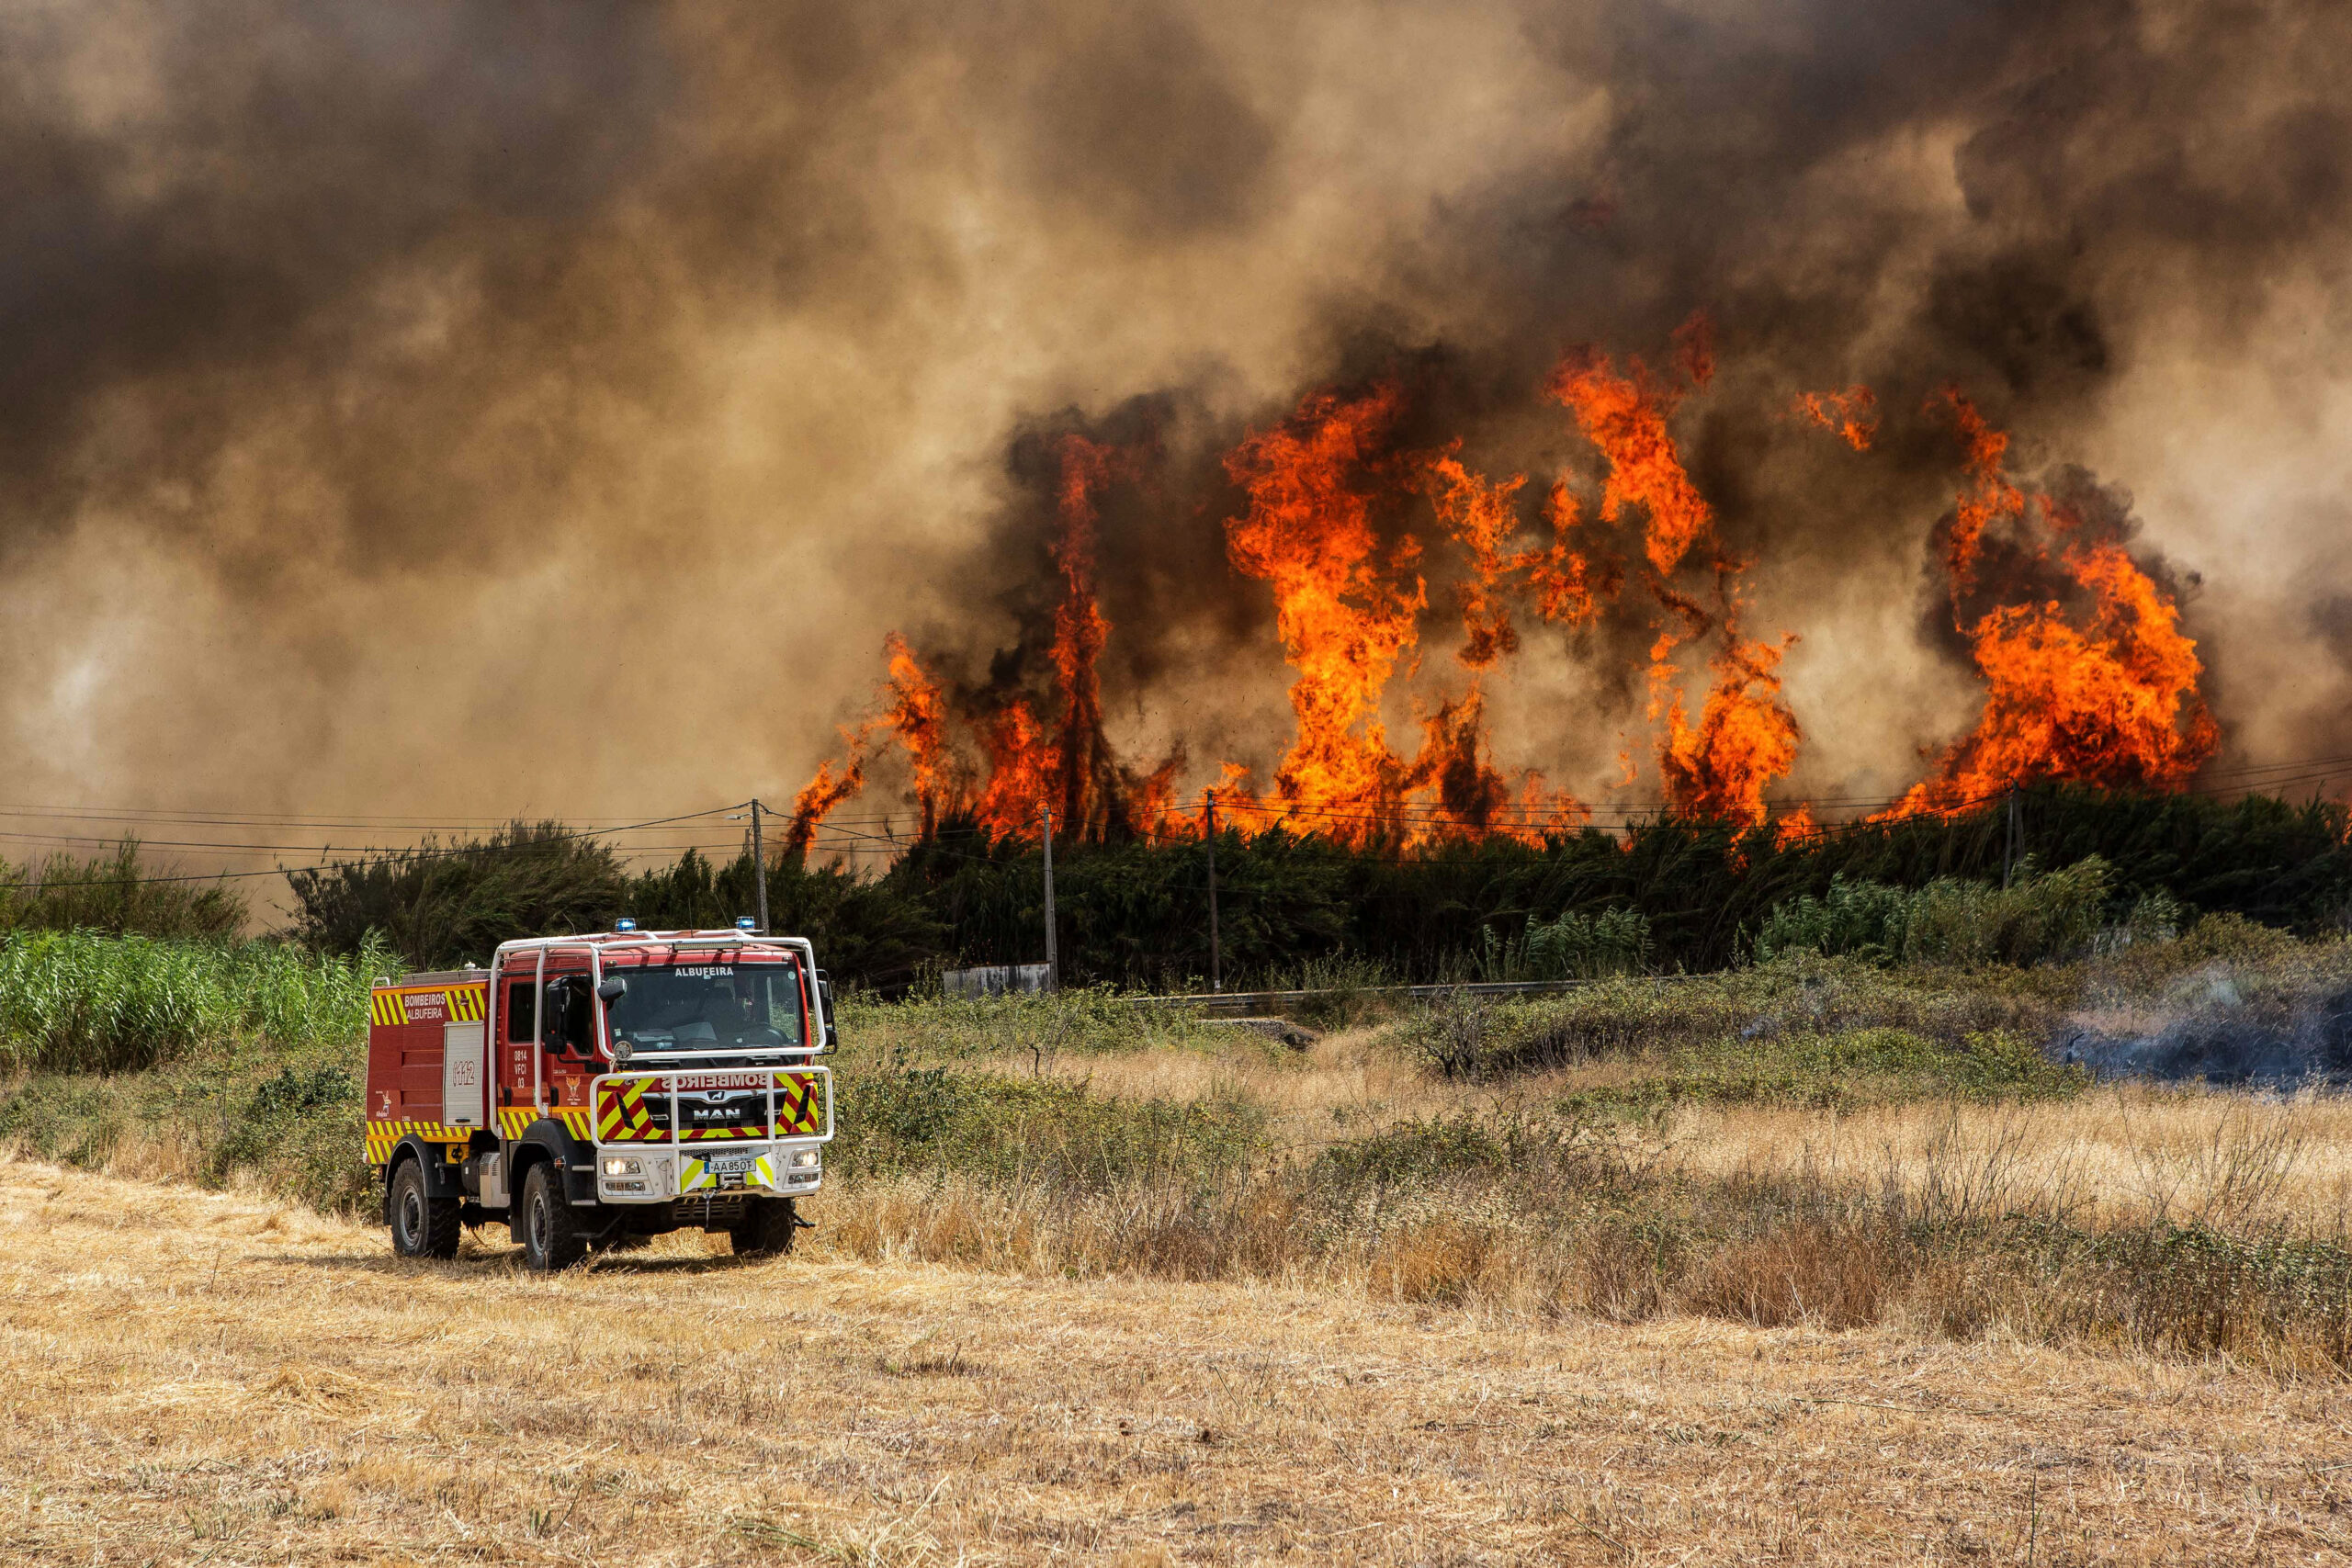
472 407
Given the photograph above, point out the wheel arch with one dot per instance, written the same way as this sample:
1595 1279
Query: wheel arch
548 1140
440 1177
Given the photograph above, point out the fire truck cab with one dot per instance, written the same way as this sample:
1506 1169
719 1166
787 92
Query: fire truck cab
596 1090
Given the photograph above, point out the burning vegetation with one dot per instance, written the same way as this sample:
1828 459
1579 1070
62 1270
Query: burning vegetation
2087 675
1349 506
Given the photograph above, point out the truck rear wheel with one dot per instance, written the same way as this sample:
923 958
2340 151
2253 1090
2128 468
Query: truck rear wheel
423 1225
551 1237
765 1230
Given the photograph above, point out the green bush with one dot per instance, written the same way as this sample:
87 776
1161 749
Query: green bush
442 904
1133 912
299 1131
2053 915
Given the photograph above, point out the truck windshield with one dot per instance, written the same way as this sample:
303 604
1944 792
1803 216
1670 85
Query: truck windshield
709 1007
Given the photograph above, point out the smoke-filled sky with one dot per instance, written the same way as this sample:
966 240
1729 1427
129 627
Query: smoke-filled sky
468 409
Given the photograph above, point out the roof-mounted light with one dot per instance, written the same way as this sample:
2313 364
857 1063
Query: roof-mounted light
623 924
745 923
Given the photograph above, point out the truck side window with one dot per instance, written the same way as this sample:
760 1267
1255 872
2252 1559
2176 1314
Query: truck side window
518 1011
570 1015
579 1017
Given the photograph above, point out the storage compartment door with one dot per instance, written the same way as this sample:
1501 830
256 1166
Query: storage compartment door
465 1072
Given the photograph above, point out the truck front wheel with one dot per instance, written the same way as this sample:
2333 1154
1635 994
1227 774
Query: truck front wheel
551 1237
765 1230
423 1225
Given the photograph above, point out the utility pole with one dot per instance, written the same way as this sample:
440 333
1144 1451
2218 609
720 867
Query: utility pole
1053 963
1217 948
760 866
2009 844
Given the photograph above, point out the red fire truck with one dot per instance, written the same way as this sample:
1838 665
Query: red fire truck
593 1091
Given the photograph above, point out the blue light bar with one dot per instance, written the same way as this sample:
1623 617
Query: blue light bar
745 923
623 924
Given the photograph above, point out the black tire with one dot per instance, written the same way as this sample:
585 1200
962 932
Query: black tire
767 1228
423 1225
551 1237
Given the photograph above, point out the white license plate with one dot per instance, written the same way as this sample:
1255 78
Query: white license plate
732 1165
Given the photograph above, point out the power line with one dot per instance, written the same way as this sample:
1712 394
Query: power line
428 852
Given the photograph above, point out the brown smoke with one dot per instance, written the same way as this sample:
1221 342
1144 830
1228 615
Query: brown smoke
479 408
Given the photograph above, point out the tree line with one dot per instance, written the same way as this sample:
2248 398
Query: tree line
1135 914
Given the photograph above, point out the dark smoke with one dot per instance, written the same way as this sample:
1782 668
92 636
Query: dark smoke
489 408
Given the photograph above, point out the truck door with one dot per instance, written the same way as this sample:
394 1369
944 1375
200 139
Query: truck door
567 1031
515 1043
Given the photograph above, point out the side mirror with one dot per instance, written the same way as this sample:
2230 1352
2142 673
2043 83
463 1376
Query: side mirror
554 1003
825 1007
612 989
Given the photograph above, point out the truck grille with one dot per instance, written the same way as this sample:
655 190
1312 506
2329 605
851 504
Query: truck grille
743 1112
636 1106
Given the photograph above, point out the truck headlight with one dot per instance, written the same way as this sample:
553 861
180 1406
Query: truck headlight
804 1159
626 1166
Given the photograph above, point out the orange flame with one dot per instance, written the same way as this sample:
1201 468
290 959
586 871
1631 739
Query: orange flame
1454 761
2089 676
918 715
1626 417
1570 584
2105 695
1853 413
1019 767
1345 615
1989 497
1746 736
820 795
1479 514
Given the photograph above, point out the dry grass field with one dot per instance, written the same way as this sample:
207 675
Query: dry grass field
1803 1263
221 1379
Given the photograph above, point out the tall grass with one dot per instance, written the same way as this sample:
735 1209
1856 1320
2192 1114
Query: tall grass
82 1001
1558 1212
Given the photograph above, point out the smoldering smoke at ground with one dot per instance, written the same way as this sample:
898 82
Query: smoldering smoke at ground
488 407
2208 1031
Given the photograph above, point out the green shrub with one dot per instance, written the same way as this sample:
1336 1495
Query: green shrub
298 1133
118 894
2051 915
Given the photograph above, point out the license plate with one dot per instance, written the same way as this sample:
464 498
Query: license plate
732 1165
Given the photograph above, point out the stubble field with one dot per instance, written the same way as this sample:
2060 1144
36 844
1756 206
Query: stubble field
221 1379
